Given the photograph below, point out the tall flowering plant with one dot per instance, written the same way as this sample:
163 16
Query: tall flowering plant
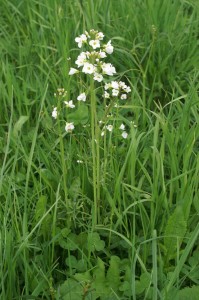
92 64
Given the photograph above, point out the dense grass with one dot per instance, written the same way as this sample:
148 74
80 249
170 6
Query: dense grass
145 242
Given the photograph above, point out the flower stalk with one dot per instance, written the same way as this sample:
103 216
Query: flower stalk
91 63
95 153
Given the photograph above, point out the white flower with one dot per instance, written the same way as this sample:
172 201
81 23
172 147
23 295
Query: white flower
81 39
95 44
69 127
115 92
98 77
54 113
124 134
88 68
115 85
69 104
102 54
106 95
81 59
73 71
102 133
99 36
82 97
109 48
127 89
108 69
80 161
122 85
109 127
123 96
122 127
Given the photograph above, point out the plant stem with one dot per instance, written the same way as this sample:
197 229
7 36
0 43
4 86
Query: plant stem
95 155
63 161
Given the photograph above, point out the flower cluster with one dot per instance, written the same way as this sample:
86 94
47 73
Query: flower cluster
91 61
110 128
116 89
61 92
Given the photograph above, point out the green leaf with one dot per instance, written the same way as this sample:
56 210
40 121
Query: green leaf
71 261
65 232
124 244
18 125
70 243
188 293
71 290
145 280
113 273
143 283
80 116
40 211
125 286
63 244
75 189
194 259
99 276
128 273
196 204
82 240
81 265
94 242
139 289
83 277
40 208
20 177
48 177
46 224
174 232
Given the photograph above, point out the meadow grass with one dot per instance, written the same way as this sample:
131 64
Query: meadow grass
140 241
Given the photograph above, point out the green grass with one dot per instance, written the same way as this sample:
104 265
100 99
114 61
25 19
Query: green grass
140 241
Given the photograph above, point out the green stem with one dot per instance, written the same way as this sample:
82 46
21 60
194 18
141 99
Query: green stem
95 155
98 170
63 161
